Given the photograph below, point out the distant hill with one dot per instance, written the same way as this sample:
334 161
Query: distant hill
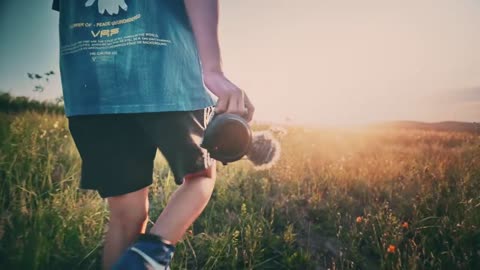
472 127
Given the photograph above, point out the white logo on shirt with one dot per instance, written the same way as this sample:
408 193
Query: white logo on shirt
112 7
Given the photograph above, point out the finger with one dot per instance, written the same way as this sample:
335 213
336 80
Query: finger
250 108
241 103
221 106
233 104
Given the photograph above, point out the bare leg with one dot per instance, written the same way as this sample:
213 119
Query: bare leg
128 218
185 205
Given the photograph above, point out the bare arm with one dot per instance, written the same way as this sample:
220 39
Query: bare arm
203 16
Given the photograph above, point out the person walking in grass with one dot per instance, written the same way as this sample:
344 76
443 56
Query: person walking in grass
135 78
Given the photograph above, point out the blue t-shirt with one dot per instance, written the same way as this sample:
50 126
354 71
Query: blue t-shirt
128 56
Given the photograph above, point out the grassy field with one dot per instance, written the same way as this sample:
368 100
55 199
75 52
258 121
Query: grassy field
337 199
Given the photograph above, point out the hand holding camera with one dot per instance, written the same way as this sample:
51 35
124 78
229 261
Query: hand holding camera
231 99
228 136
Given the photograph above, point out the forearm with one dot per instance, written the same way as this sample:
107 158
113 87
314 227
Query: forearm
203 16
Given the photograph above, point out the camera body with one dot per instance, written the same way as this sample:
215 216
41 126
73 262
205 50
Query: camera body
228 137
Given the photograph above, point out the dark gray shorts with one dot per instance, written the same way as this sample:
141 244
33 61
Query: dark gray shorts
118 150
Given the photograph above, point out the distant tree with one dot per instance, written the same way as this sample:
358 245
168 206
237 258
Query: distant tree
4 100
59 100
10 104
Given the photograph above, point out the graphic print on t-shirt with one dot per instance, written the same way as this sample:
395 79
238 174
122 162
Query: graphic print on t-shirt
128 56
112 7
103 38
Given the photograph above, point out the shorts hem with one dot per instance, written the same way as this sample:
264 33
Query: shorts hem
180 178
118 192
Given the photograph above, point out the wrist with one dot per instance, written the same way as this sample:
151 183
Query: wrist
212 68
212 73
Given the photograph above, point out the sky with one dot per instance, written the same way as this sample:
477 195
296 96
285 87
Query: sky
334 62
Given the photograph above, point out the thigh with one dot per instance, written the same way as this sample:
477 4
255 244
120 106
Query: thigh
178 135
117 157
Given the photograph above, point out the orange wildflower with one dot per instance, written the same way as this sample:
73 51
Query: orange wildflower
405 225
391 249
359 219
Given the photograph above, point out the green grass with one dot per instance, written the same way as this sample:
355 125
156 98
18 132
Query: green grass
336 199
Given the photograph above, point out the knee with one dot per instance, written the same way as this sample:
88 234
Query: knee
202 183
129 219
129 212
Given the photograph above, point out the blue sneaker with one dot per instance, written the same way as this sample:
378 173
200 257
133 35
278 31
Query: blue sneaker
148 252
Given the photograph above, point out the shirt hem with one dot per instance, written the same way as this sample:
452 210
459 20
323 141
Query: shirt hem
121 109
